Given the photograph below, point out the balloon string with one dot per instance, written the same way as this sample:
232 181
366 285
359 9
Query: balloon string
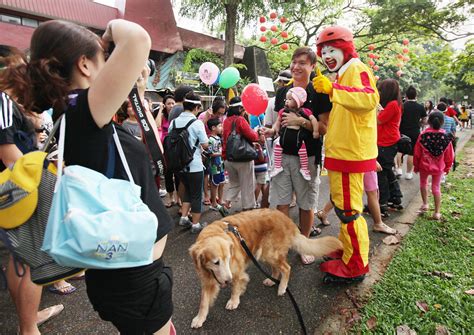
270 158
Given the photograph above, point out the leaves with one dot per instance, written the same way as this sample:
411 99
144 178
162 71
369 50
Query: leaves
423 306
390 240
405 330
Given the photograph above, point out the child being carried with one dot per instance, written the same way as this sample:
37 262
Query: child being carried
292 138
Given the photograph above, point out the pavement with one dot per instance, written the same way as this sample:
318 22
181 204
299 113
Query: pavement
261 311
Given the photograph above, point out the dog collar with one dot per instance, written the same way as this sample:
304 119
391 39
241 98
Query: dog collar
234 230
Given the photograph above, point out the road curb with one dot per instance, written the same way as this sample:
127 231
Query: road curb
346 314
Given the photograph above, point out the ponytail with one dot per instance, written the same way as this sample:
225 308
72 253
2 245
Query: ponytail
436 120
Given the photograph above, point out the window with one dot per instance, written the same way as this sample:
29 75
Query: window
29 22
10 19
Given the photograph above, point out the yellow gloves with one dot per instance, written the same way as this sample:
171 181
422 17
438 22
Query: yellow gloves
321 83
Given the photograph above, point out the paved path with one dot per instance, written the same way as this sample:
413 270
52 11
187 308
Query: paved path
261 311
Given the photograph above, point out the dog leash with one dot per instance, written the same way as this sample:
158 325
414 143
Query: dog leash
244 245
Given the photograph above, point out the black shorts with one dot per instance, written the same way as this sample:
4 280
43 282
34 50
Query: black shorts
136 300
193 186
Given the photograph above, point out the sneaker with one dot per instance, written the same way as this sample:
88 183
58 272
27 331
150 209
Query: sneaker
219 208
196 228
332 279
409 176
185 222
398 172
306 174
163 193
443 178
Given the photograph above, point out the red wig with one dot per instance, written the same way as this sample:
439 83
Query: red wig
348 48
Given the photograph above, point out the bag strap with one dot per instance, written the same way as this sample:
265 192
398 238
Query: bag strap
62 136
51 134
151 142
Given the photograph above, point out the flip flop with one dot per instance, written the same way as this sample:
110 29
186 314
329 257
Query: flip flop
81 276
50 313
63 290
324 221
307 259
207 202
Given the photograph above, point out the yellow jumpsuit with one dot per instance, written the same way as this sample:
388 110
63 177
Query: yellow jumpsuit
351 150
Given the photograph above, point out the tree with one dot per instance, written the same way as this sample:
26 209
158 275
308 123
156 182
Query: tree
231 13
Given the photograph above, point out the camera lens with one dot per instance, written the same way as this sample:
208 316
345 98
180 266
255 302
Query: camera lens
151 65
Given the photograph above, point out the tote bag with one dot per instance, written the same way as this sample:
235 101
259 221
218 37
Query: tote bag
238 148
96 222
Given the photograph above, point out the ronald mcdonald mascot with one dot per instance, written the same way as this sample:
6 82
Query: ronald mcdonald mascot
351 148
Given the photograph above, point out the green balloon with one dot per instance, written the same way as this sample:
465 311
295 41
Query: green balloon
229 77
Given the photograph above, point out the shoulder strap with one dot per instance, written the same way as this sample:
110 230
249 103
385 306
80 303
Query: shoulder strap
151 142
188 124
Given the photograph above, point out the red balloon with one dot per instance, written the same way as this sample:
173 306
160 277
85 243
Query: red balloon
371 47
273 16
284 34
262 19
405 50
284 46
263 29
371 55
376 68
399 73
405 41
371 63
273 41
254 99
274 28
263 39
283 19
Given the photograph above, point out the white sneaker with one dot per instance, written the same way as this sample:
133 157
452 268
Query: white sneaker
398 172
443 178
163 193
409 176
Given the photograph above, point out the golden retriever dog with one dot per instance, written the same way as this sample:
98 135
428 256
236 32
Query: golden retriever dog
220 260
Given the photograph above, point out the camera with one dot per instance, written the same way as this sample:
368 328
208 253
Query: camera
150 63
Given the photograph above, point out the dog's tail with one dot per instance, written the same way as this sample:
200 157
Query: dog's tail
316 247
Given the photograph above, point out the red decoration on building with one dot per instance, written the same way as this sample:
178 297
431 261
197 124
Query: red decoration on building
274 41
283 19
274 28
284 34
262 19
263 29
284 46
273 16
263 39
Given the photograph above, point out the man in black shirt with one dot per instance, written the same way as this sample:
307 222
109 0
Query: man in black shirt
413 116
284 184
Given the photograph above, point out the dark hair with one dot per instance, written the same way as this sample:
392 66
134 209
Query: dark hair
305 51
169 96
389 91
430 107
181 92
450 102
56 46
236 110
442 107
213 122
10 55
444 99
436 120
189 106
217 104
411 92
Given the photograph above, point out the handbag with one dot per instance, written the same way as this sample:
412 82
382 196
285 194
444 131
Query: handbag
96 222
404 145
238 148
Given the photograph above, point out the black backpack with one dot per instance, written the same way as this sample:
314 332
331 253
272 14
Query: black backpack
178 152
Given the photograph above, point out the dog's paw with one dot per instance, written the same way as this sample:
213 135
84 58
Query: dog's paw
231 304
197 322
268 282
281 291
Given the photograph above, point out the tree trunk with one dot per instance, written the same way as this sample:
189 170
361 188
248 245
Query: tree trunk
230 24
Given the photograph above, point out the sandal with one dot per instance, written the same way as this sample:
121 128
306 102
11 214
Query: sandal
307 259
323 218
315 231
49 313
62 290
423 209
383 228
207 202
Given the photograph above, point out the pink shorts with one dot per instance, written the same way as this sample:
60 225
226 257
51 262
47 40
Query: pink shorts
370 181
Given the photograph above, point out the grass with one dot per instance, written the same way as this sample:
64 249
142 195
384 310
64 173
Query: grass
446 247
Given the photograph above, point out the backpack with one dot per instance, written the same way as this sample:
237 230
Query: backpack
178 151
26 194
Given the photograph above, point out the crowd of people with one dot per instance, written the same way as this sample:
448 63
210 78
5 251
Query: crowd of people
304 130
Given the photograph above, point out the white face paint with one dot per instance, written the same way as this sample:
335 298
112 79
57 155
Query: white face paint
332 57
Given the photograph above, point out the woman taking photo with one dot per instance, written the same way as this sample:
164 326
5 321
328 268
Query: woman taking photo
69 71
241 174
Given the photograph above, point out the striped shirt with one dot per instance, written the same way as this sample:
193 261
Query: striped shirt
6 111
449 125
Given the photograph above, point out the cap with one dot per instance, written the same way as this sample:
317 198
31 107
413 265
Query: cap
284 75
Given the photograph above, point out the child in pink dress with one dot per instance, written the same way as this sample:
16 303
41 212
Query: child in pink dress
433 156
295 98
